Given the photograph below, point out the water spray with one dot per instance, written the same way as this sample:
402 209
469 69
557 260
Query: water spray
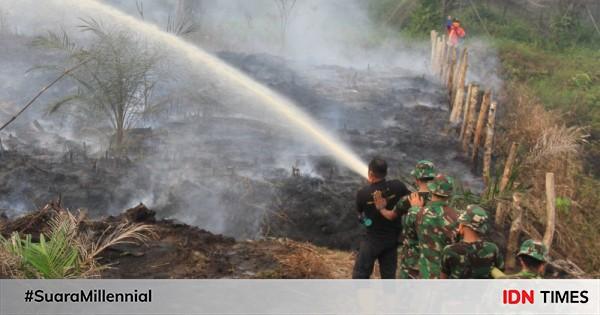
273 101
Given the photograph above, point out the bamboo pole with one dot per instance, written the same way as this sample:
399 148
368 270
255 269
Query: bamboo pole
459 97
469 103
550 210
468 134
508 166
489 142
512 245
485 104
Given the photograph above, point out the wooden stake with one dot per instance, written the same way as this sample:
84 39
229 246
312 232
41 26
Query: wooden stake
510 161
512 246
441 54
485 104
459 95
468 134
451 71
489 143
550 210
433 55
471 94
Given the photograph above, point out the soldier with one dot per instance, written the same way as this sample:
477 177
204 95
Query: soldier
532 256
436 226
471 257
423 173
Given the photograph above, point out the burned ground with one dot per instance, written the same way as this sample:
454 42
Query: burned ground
211 167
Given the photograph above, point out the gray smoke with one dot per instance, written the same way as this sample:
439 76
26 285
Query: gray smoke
211 157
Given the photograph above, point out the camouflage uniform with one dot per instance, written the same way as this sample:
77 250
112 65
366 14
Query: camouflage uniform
472 260
409 251
533 249
436 227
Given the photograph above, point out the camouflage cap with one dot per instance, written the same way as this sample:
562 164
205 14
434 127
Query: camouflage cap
441 185
424 169
534 249
476 218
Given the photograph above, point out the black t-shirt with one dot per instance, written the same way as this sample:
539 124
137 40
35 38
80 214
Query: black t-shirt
392 190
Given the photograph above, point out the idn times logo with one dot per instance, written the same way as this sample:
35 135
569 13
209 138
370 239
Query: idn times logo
514 296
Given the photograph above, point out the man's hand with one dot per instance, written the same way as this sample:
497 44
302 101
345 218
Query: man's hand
380 202
416 200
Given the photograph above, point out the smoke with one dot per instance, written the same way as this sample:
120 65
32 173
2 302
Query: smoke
214 155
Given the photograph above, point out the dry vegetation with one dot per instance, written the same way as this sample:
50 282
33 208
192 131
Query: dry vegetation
64 248
306 261
548 145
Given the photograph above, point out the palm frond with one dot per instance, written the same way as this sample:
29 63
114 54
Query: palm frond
65 100
123 234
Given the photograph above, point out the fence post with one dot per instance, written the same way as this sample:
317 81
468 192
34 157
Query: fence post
489 143
441 54
512 245
459 95
550 210
469 102
468 134
510 160
433 49
451 71
485 104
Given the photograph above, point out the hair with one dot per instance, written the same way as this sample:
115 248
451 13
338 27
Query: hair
378 167
530 262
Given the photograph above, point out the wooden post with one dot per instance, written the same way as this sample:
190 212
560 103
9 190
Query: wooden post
465 109
461 71
510 161
550 210
489 143
468 134
459 95
451 71
441 54
512 246
433 48
485 104
469 103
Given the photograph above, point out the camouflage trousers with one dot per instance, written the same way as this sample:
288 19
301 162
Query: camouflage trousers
409 263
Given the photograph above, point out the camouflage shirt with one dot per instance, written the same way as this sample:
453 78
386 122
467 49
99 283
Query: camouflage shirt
436 227
471 260
409 250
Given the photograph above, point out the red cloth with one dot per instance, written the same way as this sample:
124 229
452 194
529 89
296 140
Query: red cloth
456 32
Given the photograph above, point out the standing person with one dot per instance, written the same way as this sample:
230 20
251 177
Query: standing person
455 33
381 240
471 257
436 226
448 24
423 173
532 257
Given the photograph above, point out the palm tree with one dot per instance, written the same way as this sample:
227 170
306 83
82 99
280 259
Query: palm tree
116 80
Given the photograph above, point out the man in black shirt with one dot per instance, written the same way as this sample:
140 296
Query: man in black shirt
381 240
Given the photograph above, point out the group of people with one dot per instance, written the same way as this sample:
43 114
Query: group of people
430 239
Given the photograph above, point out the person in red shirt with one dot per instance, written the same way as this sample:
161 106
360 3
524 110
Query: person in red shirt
456 33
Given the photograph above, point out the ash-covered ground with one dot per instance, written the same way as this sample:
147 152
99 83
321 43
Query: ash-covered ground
210 165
